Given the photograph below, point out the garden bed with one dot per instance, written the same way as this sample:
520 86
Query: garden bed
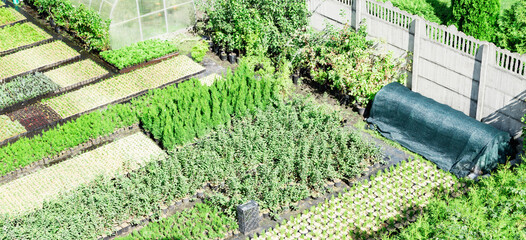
35 59
68 153
148 63
9 16
124 87
119 157
21 36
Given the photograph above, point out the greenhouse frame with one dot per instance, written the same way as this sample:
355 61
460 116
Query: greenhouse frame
138 20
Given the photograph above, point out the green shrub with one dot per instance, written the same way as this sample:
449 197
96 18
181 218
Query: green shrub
477 18
276 157
201 221
262 26
87 24
494 208
199 51
138 53
421 8
512 35
344 60
524 134
196 108
25 88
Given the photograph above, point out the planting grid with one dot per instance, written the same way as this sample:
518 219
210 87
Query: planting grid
9 128
76 73
123 86
34 58
124 155
388 202
9 15
20 35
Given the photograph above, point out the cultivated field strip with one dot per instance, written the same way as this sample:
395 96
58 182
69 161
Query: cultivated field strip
121 156
20 35
122 86
9 128
34 58
75 73
9 15
386 203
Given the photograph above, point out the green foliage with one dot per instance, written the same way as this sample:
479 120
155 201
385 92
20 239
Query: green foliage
138 53
28 150
512 35
347 62
6 16
262 26
20 35
24 88
178 115
86 23
275 157
201 222
199 51
477 18
432 10
494 208
524 134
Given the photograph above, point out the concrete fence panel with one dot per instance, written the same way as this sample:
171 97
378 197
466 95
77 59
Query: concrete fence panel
472 76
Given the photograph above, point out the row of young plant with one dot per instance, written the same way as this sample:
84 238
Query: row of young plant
9 15
375 208
19 35
85 23
26 87
276 157
203 221
138 53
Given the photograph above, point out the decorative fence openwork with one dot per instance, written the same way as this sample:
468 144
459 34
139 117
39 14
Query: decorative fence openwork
472 76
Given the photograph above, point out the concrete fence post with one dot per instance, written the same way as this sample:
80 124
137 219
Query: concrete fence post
487 57
418 29
358 6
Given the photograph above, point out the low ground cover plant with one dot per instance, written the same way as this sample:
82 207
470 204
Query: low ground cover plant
199 51
26 87
138 53
9 15
203 221
87 24
20 35
344 60
494 208
370 209
277 156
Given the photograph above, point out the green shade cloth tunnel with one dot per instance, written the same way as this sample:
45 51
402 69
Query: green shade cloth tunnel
453 141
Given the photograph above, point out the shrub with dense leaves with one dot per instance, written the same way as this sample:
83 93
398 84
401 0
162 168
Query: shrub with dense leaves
346 61
86 23
24 88
138 53
494 208
262 26
512 35
276 157
177 115
477 18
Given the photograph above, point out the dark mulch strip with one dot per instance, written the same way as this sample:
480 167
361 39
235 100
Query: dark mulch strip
34 116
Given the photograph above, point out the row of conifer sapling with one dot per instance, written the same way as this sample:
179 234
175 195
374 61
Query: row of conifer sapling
379 206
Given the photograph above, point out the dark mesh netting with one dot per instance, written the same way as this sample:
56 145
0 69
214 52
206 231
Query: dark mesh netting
453 141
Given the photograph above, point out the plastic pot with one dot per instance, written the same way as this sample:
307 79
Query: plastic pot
223 56
52 23
295 78
232 58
